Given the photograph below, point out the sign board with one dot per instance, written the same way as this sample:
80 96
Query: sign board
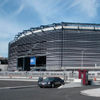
32 61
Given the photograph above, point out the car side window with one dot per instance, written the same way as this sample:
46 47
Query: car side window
60 79
40 79
57 79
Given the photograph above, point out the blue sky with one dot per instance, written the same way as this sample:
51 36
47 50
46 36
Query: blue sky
19 15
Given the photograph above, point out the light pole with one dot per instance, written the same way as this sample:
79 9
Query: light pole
82 58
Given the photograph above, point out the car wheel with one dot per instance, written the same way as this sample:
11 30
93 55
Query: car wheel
63 83
52 85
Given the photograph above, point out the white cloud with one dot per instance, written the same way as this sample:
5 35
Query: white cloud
88 7
8 30
46 8
19 10
8 26
3 2
14 12
43 9
1 5
50 10
4 48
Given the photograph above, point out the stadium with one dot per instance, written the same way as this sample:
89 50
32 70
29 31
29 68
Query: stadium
57 46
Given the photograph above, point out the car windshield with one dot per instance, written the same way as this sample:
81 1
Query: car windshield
48 79
40 79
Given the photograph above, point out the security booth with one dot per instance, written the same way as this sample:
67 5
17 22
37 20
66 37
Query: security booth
83 74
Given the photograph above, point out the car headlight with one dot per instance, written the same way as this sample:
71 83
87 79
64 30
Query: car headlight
48 82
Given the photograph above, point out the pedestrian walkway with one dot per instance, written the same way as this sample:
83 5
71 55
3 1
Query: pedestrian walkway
91 92
71 85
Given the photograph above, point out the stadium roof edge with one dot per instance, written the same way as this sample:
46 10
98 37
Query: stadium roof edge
68 25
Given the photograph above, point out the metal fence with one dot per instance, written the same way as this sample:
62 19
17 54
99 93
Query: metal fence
66 75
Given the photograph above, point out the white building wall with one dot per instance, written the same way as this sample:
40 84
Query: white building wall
4 67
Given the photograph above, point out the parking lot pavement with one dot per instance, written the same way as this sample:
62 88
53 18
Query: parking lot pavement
6 83
36 93
71 85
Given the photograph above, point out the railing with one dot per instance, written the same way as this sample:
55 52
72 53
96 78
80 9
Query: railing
35 74
64 74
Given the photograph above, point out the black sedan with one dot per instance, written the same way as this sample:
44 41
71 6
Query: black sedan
50 82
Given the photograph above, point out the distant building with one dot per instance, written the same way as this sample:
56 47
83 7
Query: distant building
3 64
3 60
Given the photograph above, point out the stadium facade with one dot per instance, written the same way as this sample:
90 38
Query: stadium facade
56 46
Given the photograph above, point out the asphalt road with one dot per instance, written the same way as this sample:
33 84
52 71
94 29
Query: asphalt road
36 93
15 83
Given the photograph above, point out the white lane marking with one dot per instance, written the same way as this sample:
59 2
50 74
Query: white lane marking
16 87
